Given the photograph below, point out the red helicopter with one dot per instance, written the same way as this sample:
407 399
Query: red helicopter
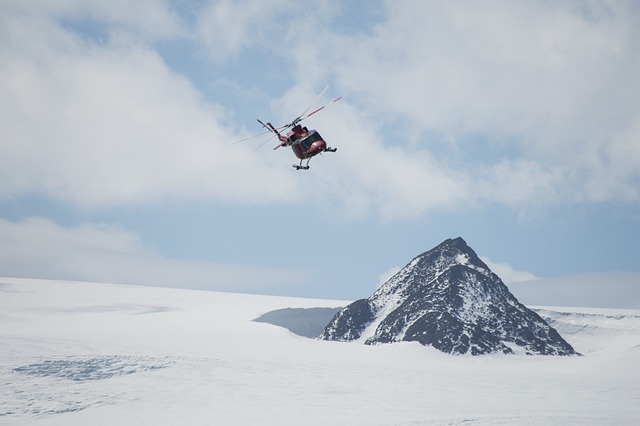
305 143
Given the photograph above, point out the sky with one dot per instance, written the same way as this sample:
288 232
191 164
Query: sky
513 124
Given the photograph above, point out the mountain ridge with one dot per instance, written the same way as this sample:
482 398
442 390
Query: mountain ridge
450 299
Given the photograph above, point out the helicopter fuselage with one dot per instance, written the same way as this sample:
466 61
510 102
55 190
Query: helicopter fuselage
308 146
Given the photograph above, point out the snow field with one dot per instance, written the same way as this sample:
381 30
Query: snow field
103 354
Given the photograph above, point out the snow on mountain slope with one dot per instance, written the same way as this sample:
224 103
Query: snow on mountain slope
99 354
449 299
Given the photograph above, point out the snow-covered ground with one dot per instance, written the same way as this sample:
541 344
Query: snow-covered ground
102 354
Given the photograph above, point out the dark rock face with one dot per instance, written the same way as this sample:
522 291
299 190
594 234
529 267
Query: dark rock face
449 299
350 322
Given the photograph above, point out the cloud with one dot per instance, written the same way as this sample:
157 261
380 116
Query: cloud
598 290
102 125
150 19
227 27
448 104
507 273
545 93
387 275
40 248
366 175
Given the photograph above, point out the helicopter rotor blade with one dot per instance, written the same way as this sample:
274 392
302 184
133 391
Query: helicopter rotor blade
259 134
321 108
259 146
300 117
314 101
251 137
271 128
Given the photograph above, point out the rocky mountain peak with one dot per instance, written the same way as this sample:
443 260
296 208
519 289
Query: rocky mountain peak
449 299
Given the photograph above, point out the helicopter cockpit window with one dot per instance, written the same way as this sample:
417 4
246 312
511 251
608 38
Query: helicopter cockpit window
310 139
313 136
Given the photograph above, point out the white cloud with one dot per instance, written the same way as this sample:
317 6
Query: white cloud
604 290
552 87
387 275
507 273
150 19
368 176
40 248
226 27
106 125
519 183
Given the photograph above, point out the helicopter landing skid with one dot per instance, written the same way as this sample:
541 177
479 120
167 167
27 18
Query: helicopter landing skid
306 167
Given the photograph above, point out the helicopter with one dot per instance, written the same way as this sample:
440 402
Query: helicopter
305 143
